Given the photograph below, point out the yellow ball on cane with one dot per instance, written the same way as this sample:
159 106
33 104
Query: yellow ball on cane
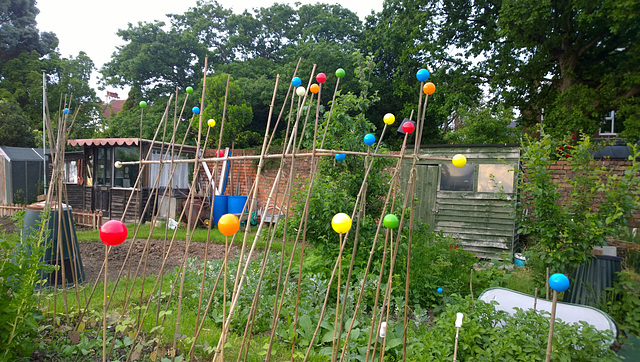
341 223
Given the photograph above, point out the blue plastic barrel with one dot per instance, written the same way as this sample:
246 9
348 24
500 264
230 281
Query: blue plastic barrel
220 207
236 204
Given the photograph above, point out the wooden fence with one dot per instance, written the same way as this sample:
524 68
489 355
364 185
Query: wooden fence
91 219
9 210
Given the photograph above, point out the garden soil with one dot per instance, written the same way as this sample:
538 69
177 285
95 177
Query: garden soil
9 226
92 254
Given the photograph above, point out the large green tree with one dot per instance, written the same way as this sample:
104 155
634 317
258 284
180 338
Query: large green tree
14 128
404 38
568 61
238 111
67 82
133 121
155 60
253 46
563 62
25 55
19 32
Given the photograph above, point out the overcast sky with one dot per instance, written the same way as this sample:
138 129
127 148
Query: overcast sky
91 26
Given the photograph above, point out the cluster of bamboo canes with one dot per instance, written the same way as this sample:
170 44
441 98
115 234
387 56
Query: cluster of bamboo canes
295 121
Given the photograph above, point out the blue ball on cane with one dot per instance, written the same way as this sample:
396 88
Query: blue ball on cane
369 139
559 282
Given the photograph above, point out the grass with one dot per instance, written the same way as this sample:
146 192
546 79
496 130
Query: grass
198 235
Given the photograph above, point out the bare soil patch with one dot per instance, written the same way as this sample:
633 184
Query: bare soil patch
92 254
8 225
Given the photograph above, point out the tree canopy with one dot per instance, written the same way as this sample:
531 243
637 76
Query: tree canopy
14 128
19 32
564 63
25 54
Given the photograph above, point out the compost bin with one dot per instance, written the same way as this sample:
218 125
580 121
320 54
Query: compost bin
64 241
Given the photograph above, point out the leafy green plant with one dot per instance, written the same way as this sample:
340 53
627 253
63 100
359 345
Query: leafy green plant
437 261
562 229
20 268
490 335
623 302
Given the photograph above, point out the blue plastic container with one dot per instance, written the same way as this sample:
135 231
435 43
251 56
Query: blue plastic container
220 207
236 204
519 259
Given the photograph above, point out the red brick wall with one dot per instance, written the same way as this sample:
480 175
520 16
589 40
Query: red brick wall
562 172
240 172
243 172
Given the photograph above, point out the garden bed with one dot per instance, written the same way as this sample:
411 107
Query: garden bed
92 254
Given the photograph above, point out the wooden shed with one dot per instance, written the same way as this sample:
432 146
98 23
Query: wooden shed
473 203
94 182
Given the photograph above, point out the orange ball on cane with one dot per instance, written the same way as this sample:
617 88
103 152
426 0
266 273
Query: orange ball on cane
228 224
429 88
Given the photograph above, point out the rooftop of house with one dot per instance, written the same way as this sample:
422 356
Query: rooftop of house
113 107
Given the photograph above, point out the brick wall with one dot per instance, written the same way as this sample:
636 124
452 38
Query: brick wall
242 175
243 172
562 172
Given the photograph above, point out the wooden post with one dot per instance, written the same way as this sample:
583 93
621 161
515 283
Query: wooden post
459 317
547 284
471 283
559 283
104 305
551 325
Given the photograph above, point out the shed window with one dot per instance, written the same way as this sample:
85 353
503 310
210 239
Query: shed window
70 171
495 178
103 166
126 175
456 178
180 179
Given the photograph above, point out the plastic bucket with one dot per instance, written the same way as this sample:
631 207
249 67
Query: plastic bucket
236 204
220 207
519 259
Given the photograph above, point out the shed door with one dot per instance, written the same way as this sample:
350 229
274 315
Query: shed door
425 192
102 186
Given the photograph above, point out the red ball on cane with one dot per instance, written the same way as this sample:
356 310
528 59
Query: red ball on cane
113 232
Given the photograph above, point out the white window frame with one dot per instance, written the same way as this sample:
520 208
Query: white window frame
611 132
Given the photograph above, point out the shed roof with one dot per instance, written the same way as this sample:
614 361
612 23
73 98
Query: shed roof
104 142
22 153
120 142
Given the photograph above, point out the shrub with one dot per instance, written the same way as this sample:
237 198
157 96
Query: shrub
623 302
437 261
562 231
19 275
